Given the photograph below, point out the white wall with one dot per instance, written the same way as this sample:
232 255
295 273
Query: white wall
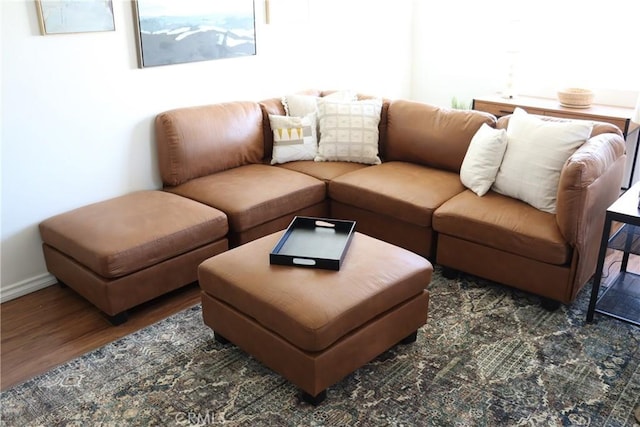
451 57
461 48
77 111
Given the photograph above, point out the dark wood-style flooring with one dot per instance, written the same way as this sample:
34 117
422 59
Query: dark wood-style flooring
47 328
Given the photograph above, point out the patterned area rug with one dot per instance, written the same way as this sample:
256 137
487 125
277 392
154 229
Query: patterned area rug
488 356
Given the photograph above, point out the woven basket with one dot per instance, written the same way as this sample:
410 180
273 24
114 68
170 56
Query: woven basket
575 97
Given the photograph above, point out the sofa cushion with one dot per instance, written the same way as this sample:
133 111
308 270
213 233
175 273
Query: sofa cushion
126 234
483 159
294 138
503 223
400 190
254 194
349 130
428 135
198 141
536 152
325 171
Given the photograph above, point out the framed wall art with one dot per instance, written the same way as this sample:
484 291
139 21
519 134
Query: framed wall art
175 32
75 16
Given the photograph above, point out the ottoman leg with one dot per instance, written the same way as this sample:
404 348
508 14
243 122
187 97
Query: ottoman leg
219 338
411 338
118 319
314 400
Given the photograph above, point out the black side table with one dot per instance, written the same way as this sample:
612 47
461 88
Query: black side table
621 299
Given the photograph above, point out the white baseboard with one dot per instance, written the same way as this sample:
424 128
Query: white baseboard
15 290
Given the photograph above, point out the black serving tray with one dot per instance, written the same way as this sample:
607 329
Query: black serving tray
313 242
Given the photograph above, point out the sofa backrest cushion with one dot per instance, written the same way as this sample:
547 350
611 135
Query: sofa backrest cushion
198 141
429 135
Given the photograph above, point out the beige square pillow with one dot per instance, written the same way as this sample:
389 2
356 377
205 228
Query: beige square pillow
536 152
301 105
294 138
349 130
483 158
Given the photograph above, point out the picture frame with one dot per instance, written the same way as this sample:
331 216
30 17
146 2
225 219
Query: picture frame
177 32
73 16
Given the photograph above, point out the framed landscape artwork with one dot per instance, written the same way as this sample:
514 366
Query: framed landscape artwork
174 32
73 16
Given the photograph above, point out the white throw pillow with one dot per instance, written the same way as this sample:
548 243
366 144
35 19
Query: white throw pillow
536 152
483 158
349 130
294 138
301 105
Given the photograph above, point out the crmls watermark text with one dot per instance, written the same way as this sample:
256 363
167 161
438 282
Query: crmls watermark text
195 418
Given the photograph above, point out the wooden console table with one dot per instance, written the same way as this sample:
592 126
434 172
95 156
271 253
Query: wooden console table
618 116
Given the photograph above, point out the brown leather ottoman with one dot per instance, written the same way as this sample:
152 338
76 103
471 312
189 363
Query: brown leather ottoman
315 326
124 251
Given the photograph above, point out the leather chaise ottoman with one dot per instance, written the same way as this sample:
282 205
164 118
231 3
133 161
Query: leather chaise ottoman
313 326
128 250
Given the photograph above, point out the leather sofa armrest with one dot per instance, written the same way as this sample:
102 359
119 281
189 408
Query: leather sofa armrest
589 182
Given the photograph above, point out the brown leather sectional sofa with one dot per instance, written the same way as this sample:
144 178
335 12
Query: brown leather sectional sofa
219 155
221 191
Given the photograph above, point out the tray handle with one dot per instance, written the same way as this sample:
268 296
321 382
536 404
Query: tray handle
324 224
304 261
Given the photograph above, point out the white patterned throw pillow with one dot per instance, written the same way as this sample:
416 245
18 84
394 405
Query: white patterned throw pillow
349 130
294 138
301 105
536 152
